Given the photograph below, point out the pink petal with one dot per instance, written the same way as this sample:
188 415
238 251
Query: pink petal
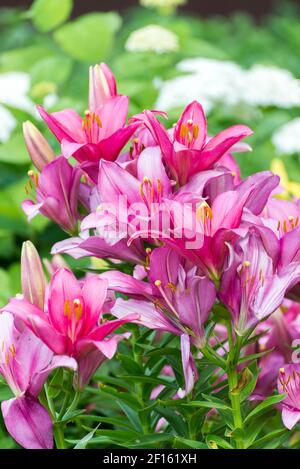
194 112
221 143
64 124
94 293
290 417
28 423
63 288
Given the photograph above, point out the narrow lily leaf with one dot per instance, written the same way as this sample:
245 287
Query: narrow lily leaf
186 443
255 356
85 440
215 442
270 401
132 416
175 420
274 437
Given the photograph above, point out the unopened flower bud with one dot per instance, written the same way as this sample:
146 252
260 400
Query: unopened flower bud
32 275
38 148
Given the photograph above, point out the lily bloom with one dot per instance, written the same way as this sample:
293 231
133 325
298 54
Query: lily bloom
57 194
25 363
252 287
289 384
186 148
175 300
71 322
102 132
175 289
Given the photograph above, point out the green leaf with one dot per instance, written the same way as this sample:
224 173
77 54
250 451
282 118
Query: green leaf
206 404
5 287
276 437
180 443
56 69
131 415
24 58
130 365
250 382
174 419
89 38
14 151
270 401
49 14
152 441
215 442
255 356
84 441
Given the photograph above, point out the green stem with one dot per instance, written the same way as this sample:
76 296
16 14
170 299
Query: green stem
232 374
59 436
139 387
49 402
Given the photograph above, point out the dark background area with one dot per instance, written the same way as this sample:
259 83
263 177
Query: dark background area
257 8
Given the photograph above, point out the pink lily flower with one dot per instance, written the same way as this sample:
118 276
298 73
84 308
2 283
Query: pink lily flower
289 383
186 149
175 300
281 216
252 287
102 132
57 194
69 324
174 288
25 363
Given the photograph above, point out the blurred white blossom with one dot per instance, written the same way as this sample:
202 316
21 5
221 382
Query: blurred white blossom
152 38
7 124
287 138
162 3
14 88
212 81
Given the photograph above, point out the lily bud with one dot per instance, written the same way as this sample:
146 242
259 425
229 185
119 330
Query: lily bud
102 86
32 275
38 148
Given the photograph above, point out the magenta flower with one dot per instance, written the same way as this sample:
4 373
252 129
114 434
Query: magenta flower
186 149
57 194
175 300
102 132
289 384
72 323
252 286
25 363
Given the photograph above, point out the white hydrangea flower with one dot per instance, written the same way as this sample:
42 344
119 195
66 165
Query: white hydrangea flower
14 88
7 124
162 3
286 139
213 81
267 86
152 38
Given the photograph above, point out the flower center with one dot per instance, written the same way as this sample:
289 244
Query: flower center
204 216
189 132
91 124
73 310
150 192
288 224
